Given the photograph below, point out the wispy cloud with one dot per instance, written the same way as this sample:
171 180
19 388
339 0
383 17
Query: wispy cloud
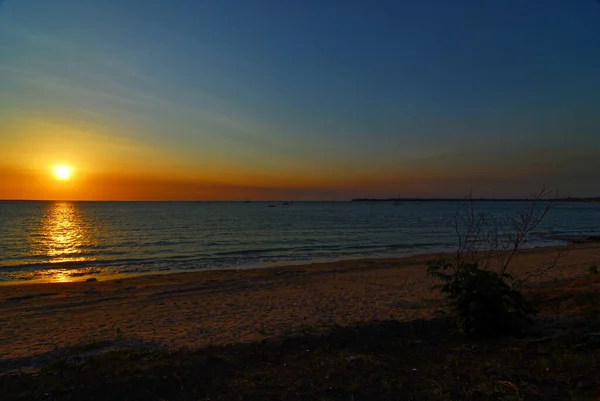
103 85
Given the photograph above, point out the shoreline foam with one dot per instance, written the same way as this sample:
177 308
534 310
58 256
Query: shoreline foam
107 270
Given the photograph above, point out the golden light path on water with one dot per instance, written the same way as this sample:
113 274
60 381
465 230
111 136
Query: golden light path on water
63 234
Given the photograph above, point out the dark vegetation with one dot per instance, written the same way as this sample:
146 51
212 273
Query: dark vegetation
482 301
482 294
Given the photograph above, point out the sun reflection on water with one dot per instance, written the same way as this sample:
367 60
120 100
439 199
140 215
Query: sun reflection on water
64 235
64 232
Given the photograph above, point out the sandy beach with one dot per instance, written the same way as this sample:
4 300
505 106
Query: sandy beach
228 306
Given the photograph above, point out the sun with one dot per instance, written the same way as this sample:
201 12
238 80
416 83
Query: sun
62 172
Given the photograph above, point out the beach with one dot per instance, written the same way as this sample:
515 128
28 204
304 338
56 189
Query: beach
220 307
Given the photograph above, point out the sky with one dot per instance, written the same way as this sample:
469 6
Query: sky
306 100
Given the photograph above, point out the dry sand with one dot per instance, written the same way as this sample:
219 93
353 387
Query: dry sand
220 307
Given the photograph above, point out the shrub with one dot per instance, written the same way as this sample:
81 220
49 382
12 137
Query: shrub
593 269
477 284
483 301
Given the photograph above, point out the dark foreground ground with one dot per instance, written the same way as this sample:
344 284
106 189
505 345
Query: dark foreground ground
418 360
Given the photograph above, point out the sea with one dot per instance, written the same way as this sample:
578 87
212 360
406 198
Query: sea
72 241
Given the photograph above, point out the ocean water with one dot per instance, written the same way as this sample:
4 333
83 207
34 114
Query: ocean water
65 241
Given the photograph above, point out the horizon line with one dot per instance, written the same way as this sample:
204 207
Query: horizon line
408 199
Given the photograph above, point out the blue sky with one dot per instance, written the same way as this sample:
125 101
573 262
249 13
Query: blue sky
334 98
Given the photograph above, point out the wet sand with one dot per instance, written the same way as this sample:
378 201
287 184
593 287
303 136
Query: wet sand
220 307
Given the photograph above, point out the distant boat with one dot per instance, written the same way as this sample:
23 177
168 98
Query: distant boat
271 205
247 201
286 203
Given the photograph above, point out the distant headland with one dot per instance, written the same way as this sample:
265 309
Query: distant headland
569 199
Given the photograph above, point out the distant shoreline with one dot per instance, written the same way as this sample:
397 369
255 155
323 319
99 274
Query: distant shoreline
585 200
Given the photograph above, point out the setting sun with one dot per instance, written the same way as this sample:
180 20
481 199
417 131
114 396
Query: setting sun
62 172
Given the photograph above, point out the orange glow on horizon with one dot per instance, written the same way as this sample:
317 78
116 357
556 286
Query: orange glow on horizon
93 163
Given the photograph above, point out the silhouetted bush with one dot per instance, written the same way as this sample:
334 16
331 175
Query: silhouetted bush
483 302
482 294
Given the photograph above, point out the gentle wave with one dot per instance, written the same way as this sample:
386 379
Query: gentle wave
45 240
245 255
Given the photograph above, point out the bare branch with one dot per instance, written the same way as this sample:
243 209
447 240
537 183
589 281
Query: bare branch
483 237
540 271
522 226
